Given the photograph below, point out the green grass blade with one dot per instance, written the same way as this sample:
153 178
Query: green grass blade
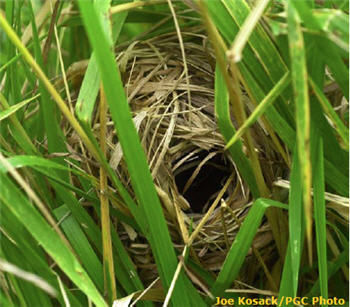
36 161
90 143
261 108
11 89
290 274
92 79
124 267
285 131
335 25
336 179
301 97
232 83
46 167
141 179
286 287
29 291
227 130
342 130
261 58
14 108
241 244
296 223
81 245
336 158
248 26
4 301
335 62
333 267
55 138
38 55
49 240
30 252
320 219
88 94
20 135
331 24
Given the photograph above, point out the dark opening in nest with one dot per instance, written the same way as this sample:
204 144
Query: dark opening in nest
207 182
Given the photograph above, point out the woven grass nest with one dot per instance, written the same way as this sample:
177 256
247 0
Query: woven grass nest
185 151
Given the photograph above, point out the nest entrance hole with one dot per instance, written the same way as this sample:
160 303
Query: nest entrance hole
208 182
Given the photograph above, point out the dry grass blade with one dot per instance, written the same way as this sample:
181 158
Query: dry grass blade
235 95
178 32
40 18
261 108
235 53
333 198
108 263
144 292
173 282
209 212
129 6
64 292
36 280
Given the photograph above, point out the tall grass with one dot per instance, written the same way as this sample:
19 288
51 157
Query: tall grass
60 219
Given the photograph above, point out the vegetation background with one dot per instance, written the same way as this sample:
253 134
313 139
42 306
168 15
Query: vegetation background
277 64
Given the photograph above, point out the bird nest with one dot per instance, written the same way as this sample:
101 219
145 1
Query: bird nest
173 111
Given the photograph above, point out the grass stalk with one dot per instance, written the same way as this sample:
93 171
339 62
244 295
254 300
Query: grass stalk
51 89
260 109
220 49
133 5
241 39
108 263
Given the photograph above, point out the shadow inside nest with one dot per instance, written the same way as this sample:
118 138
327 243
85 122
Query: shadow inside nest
202 189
